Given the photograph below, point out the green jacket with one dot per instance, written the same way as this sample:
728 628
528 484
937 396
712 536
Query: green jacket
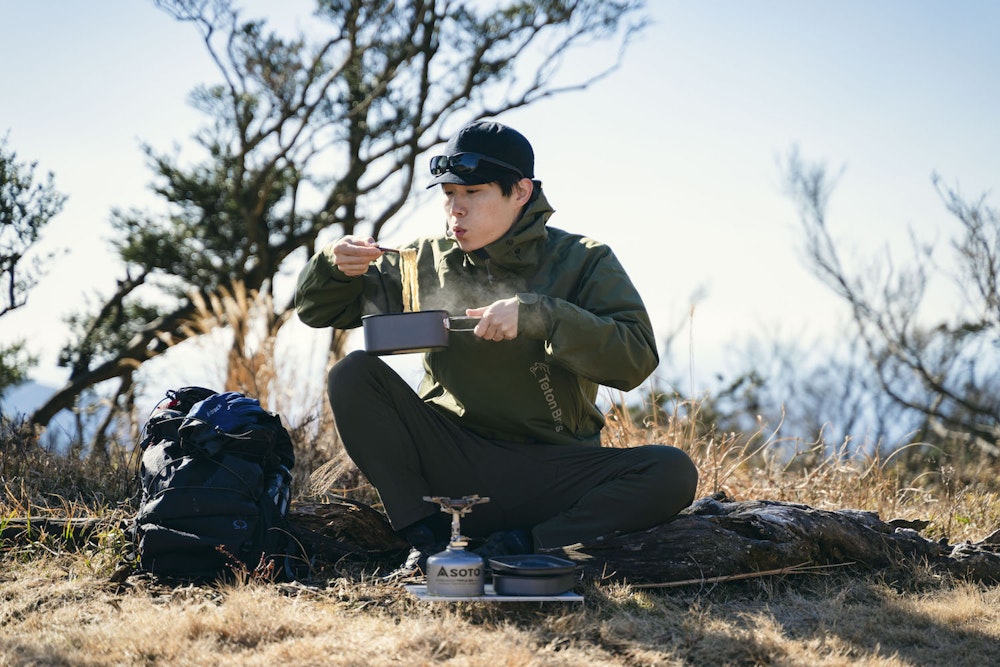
581 324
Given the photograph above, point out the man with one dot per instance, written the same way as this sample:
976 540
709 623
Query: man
507 411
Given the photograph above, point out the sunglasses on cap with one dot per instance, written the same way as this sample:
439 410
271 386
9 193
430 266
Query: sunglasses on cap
466 163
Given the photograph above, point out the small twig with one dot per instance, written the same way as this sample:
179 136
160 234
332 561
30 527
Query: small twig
792 569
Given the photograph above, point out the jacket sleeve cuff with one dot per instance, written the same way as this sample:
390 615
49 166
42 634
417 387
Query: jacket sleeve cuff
530 316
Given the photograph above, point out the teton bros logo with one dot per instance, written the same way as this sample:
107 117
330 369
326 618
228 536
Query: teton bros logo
541 373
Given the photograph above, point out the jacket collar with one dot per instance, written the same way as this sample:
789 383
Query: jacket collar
523 244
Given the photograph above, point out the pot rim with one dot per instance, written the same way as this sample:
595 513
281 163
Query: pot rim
532 565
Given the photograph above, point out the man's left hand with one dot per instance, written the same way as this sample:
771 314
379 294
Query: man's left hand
498 321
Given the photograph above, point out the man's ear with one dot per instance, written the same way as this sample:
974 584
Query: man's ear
522 191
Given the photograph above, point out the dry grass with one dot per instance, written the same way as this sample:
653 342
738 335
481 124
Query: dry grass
55 612
58 606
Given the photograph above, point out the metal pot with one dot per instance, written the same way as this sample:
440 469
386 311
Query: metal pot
531 565
509 584
532 574
404 333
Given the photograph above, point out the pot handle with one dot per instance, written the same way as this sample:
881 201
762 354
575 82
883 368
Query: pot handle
462 323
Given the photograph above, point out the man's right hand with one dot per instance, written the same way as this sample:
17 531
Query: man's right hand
353 254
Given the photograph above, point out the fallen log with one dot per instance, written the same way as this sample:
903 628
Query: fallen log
71 531
334 530
339 529
714 538
718 537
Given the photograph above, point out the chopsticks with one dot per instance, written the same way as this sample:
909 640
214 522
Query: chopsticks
387 249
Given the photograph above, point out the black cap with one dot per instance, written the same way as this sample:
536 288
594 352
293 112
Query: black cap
493 140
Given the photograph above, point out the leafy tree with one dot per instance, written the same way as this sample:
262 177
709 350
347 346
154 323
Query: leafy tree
15 363
944 372
26 206
309 137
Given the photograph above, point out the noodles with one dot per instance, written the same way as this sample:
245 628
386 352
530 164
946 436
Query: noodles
408 273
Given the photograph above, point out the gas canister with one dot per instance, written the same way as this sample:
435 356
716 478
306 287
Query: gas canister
455 572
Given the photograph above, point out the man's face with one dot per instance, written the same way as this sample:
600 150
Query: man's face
479 214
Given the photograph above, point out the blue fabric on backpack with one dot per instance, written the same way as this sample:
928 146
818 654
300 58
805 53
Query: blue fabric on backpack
231 421
228 412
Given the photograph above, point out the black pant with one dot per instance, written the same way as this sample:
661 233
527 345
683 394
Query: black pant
563 493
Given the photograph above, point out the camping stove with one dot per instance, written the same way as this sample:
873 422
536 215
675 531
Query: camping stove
456 572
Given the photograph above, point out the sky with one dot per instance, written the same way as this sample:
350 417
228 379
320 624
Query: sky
673 160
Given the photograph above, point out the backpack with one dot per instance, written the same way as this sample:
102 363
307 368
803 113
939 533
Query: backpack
214 474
